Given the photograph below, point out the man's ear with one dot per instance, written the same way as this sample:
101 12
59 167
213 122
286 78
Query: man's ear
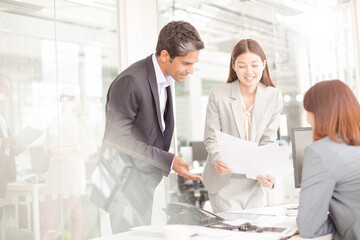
164 56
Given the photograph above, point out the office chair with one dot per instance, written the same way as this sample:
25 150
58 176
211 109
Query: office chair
193 191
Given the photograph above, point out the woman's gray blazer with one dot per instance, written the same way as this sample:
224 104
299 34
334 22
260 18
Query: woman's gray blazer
225 113
330 191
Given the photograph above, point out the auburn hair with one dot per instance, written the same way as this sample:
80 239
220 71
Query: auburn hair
249 45
336 111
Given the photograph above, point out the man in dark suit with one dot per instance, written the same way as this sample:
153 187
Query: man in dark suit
140 125
7 161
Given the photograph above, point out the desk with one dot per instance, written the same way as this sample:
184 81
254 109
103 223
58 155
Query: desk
134 235
277 210
31 192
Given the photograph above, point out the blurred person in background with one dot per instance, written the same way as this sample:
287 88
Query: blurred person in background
68 145
7 161
8 149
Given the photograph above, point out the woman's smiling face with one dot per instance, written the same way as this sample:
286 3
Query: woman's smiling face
249 69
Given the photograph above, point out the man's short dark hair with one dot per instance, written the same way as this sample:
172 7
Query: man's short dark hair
178 38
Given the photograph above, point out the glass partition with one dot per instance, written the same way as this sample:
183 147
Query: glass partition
57 59
305 42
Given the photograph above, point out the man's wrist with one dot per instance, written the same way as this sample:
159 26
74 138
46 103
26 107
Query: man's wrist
172 162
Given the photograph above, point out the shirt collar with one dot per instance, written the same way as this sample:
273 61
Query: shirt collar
162 81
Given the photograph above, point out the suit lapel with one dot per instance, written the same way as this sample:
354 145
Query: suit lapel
154 88
258 111
236 107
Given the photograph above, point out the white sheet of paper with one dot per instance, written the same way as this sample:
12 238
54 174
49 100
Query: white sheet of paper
248 158
27 136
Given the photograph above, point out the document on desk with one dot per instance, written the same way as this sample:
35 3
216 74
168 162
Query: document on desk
248 158
203 233
27 136
195 232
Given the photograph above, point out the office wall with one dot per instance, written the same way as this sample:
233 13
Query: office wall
138 30
50 49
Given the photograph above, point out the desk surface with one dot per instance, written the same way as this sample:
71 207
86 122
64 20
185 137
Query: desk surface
134 235
277 211
30 190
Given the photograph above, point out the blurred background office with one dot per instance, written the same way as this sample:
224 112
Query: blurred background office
48 44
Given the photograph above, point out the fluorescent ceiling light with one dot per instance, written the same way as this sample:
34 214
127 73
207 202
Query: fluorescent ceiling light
16 6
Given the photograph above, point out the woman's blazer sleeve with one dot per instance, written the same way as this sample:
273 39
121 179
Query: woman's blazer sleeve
270 133
212 123
211 179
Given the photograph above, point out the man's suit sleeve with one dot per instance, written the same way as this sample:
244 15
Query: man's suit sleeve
122 108
317 186
213 180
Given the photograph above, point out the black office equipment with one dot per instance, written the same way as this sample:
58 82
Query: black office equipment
124 186
181 213
199 152
300 138
110 184
193 191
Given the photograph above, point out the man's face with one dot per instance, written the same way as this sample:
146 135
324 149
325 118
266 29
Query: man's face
181 66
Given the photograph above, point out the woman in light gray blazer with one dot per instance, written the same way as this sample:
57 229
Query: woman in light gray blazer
248 106
330 185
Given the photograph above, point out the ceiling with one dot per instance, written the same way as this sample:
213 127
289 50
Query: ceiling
96 14
222 23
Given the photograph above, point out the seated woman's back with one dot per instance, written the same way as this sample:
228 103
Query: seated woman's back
330 186
337 166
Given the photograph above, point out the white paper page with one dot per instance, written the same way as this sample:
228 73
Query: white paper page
27 136
235 152
196 232
253 160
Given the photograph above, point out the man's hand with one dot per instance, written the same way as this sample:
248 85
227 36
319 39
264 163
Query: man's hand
221 167
8 143
267 181
182 167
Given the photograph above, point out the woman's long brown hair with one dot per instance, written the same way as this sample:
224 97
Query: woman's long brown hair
336 111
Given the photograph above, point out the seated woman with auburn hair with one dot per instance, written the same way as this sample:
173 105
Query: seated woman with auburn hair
330 186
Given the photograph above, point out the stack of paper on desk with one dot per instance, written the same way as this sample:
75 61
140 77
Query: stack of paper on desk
204 233
248 158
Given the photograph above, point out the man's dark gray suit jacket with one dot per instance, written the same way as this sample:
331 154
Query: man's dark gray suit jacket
133 119
134 156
